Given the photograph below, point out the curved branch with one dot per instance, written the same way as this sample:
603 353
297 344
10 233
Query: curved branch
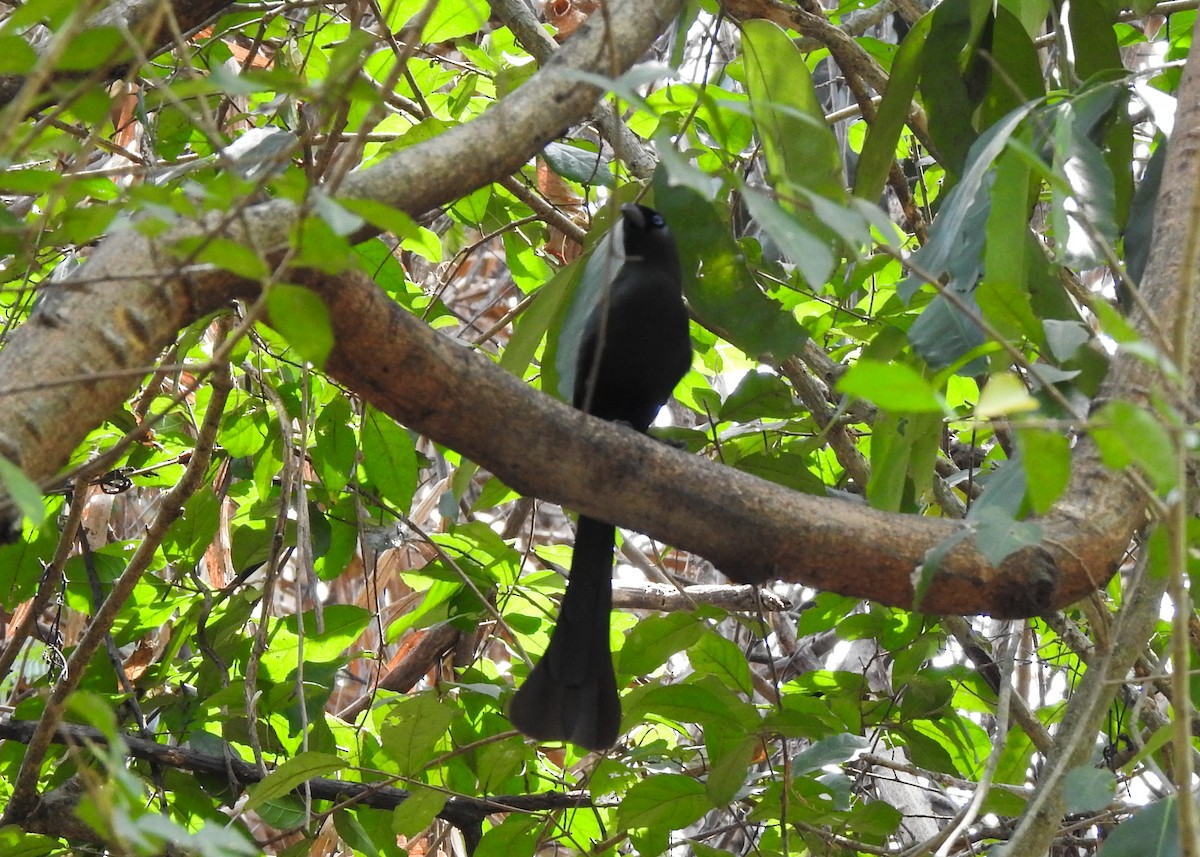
751 529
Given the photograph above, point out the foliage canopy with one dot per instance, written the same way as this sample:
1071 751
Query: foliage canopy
918 244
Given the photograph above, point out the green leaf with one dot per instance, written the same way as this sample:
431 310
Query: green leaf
710 703
27 181
1005 304
727 773
335 444
578 164
93 48
835 750
1015 74
23 561
413 728
1065 338
516 836
958 231
16 58
23 491
388 219
1046 457
417 811
663 802
1089 789
949 740
389 459
344 623
1126 434
225 254
759 395
190 536
947 332
998 535
317 244
1139 231
1086 194
452 20
50 12
1152 831
1003 295
800 148
783 468
17 843
874 820
879 150
243 427
1004 394
903 446
655 639
721 657
1004 489
303 319
950 77
435 606
893 386
496 763
1095 49
338 217
354 833
807 246
291 774
723 293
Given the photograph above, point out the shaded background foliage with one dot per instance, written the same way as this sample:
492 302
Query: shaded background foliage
909 300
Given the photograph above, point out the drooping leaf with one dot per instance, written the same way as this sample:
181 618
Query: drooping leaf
389 458
800 149
809 250
951 78
1046 457
879 150
418 810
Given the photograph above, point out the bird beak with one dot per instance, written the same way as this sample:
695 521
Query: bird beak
634 215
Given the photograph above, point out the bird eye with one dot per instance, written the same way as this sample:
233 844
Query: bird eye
658 221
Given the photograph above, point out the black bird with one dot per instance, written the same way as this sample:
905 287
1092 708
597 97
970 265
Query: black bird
634 350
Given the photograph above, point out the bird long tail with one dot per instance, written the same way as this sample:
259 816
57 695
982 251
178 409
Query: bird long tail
571 695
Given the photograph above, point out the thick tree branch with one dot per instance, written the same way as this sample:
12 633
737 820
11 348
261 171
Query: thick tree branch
540 446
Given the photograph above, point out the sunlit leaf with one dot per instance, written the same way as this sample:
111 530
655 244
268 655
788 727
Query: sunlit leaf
291 774
894 386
